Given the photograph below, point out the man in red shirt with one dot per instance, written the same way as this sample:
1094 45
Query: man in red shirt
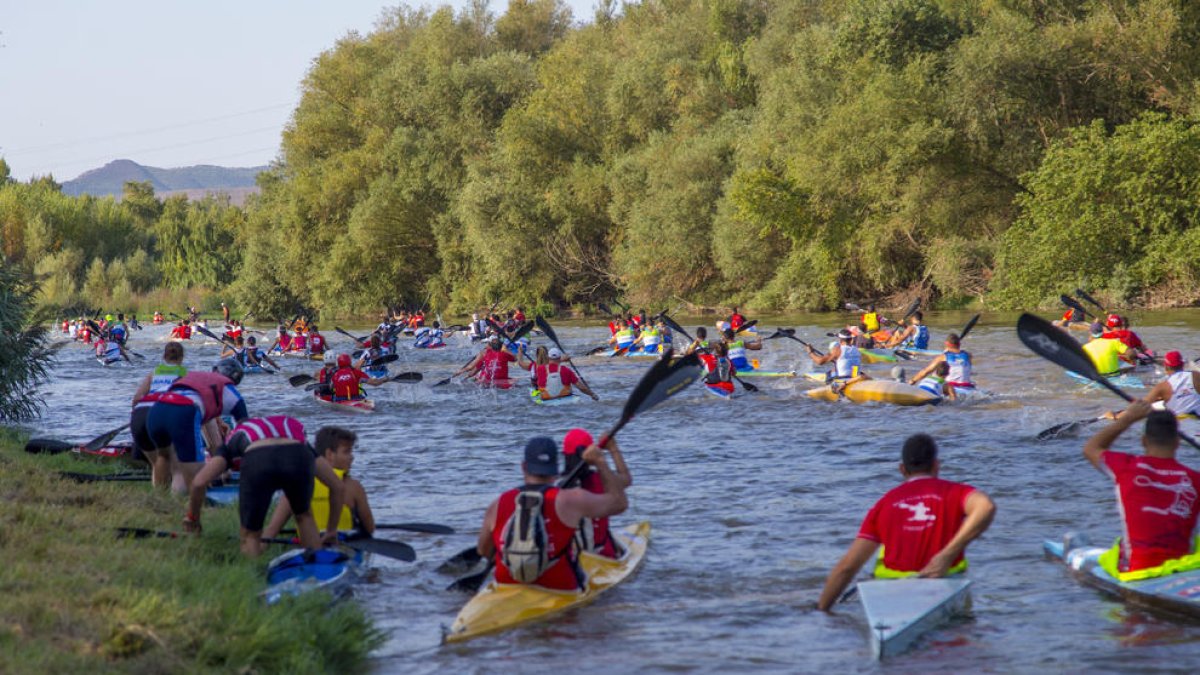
1157 496
491 365
316 341
347 380
924 525
1118 329
555 379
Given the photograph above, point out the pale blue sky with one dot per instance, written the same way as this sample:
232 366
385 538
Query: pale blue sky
165 83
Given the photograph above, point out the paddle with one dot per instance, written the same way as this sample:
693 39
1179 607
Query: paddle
814 349
356 339
446 380
781 333
967 328
297 380
1052 344
545 326
1066 428
384 547
661 381
679 329
103 439
1083 294
427 528
912 309
1074 304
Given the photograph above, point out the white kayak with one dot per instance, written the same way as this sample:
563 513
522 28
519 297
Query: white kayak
900 610
536 396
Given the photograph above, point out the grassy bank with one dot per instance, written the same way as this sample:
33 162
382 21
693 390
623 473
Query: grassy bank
73 597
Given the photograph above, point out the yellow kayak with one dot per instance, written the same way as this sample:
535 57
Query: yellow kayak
879 391
498 607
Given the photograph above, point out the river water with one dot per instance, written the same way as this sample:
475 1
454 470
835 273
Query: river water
752 500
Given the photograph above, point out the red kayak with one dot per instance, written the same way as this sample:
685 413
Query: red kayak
358 405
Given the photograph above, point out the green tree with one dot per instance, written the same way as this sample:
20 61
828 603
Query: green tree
24 359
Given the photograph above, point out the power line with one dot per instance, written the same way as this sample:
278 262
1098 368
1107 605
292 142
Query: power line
173 146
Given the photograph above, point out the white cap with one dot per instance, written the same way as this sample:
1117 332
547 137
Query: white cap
554 353
721 325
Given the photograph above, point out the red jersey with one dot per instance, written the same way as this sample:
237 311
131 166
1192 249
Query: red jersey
543 372
285 343
561 573
181 332
1156 497
316 343
346 383
519 317
736 321
495 365
1127 337
915 520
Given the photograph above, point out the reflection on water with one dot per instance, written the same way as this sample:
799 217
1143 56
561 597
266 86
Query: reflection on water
751 500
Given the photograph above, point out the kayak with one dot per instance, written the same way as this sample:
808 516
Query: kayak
1124 380
1175 594
870 356
913 351
631 354
301 571
255 370
106 362
361 405
900 610
719 391
767 373
225 494
879 391
498 607
119 450
376 373
536 397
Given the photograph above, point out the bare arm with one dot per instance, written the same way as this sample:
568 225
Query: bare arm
828 358
143 389
356 499
1160 392
212 469
472 366
980 510
577 503
622 470
1104 438
844 571
484 545
927 369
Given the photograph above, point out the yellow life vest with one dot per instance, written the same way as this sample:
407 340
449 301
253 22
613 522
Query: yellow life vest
320 506
1105 354
1109 561
871 319
884 572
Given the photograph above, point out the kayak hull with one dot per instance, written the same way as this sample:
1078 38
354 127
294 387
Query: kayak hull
362 405
1124 380
877 391
499 607
720 392
766 373
899 611
536 397
1176 594
871 356
299 571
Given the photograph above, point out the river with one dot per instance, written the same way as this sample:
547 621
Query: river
752 500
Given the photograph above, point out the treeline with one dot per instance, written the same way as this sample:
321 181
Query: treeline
776 154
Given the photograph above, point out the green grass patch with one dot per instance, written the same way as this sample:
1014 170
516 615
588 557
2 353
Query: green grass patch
74 598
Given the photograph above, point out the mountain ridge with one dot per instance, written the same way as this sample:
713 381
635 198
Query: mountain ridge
110 179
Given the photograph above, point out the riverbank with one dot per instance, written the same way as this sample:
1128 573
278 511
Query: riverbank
75 598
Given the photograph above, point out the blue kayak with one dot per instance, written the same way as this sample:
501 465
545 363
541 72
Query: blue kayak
1177 594
1124 380
302 571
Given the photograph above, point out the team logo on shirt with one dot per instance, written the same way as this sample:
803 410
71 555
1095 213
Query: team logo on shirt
920 513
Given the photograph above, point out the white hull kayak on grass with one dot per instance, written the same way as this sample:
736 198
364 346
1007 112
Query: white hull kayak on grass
901 610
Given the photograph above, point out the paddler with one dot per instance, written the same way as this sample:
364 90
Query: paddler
924 525
552 562
158 318
700 342
430 338
1178 391
625 336
935 382
347 380
336 445
736 348
719 371
736 320
1106 353
182 331
593 535
283 342
256 356
650 340
555 379
490 366
237 350
844 356
1156 497
187 413
316 342
324 376
274 456
958 361
870 320
160 379
1118 329
914 336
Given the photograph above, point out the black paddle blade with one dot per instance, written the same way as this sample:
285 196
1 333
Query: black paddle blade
47 446
384 547
1074 304
103 439
460 562
661 382
384 360
1083 294
748 325
297 380
443 381
597 350
522 331
746 385
1065 429
967 328
675 327
1056 346
545 326
912 309
427 528
471 584
408 377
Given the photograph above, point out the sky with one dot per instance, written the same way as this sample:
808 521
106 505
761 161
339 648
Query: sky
165 83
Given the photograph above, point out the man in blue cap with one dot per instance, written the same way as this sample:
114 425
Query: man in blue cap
530 530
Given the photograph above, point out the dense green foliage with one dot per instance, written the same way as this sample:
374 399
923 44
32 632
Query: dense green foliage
23 352
776 154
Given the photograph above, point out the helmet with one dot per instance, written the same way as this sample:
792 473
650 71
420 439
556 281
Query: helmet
330 358
1113 321
343 360
229 368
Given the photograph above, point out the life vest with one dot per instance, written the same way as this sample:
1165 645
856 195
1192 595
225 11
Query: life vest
884 572
562 572
737 351
164 375
624 338
1184 399
593 534
717 369
554 384
651 338
920 339
209 388
1109 561
871 320
239 353
299 342
346 384
316 343
960 367
848 363
320 505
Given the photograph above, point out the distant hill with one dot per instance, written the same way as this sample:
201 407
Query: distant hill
195 181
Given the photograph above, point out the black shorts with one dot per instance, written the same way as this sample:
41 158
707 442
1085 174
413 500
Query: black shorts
287 467
137 428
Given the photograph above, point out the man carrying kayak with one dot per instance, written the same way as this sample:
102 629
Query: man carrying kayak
1106 353
555 379
593 535
959 362
843 354
924 525
1178 391
1156 497
274 456
551 561
336 445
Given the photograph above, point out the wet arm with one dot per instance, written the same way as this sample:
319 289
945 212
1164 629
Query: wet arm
980 510
844 572
484 545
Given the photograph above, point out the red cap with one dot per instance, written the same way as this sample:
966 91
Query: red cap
343 361
1173 360
575 441
1113 321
